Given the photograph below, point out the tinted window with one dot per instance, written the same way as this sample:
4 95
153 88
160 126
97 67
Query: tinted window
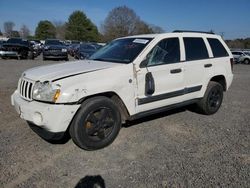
165 52
14 40
217 48
195 49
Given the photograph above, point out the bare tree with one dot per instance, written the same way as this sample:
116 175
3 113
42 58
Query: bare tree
24 31
60 29
121 21
8 28
156 29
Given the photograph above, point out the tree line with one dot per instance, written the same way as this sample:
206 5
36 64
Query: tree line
121 21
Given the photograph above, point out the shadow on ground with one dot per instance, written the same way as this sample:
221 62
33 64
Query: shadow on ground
91 182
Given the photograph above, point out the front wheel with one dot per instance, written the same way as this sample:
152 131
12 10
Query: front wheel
212 99
96 124
246 61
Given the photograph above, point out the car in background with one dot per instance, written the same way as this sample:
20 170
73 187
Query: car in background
1 43
37 46
241 57
54 49
72 49
18 48
85 50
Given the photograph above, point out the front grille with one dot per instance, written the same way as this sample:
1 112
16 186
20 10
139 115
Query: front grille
54 50
26 88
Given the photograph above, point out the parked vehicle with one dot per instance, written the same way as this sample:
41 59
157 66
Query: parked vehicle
241 57
72 49
85 50
129 78
54 49
37 46
18 48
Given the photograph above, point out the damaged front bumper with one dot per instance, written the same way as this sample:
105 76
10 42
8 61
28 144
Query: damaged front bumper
49 118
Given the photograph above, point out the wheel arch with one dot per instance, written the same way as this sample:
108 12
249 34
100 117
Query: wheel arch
115 98
221 80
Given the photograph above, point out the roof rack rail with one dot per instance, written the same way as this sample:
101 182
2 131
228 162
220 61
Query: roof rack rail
187 31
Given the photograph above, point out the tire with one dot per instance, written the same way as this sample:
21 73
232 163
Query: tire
66 59
44 58
212 99
96 124
246 61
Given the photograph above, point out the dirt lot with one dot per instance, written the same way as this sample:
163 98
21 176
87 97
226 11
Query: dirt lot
175 149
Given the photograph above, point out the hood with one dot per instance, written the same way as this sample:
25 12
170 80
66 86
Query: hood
62 70
55 47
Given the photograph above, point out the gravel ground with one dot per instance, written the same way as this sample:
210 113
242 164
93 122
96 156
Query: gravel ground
175 149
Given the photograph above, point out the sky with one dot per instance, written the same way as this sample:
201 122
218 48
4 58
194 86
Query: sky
228 17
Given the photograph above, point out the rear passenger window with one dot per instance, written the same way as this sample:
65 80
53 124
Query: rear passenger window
217 48
195 48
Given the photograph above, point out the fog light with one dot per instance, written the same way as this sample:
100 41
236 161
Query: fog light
37 118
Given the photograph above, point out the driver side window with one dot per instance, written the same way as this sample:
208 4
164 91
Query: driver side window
165 52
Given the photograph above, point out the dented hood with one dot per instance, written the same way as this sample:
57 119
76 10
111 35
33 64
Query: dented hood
62 70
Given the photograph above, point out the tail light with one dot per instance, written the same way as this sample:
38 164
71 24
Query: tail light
232 63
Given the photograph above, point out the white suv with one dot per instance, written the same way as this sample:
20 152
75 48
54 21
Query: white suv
129 78
241 57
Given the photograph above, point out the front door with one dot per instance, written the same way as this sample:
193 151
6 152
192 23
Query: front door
160 79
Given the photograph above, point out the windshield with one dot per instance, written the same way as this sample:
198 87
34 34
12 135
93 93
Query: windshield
53 42
121 50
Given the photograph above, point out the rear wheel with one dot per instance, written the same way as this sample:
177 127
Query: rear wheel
212 99
96 124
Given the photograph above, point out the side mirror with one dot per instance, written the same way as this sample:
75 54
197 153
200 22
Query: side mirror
149 84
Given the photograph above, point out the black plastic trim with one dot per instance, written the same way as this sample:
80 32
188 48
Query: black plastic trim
163 109
45 134
184 91
190 31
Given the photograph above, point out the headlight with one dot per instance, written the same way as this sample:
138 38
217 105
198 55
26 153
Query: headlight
64 50
46 91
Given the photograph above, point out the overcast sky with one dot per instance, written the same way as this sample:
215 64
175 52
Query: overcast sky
228 16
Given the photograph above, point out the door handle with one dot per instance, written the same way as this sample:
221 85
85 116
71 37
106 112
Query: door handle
175 71
208 65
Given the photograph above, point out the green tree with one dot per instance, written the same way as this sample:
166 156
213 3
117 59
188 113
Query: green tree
79 27
45 29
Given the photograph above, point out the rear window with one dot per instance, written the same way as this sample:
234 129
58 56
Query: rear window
217 48
195 48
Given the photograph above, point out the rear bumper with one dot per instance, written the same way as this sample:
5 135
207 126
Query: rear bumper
8 54
229 80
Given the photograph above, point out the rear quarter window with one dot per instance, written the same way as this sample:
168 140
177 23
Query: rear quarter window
195 48
217 48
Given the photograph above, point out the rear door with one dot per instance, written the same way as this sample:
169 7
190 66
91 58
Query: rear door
198 66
